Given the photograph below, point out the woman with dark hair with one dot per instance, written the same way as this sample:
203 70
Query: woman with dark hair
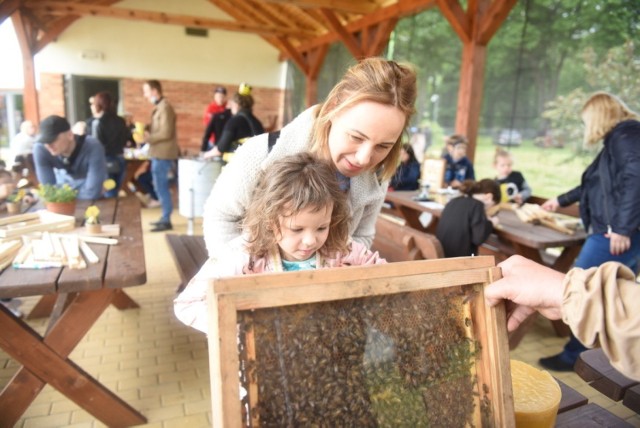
463 225
408 173
112 131
240 126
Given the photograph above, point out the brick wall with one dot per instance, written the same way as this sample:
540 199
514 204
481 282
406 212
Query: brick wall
188 99
51 95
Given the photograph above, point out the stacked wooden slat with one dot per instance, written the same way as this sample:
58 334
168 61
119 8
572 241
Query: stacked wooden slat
535 214
30 241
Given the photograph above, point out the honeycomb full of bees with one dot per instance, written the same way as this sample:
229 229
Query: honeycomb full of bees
410 358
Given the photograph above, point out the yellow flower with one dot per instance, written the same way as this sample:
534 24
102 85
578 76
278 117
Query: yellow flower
92 214
109 184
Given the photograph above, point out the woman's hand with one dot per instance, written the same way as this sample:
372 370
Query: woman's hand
529 287
618 244
551 204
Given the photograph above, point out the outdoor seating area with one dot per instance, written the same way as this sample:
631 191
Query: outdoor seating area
160 367
461 302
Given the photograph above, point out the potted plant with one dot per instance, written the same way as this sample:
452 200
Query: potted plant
59 199
92 219
14 201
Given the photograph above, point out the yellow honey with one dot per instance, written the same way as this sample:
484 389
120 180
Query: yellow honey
536 396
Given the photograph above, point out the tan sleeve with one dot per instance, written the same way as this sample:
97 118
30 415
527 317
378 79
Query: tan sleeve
601 307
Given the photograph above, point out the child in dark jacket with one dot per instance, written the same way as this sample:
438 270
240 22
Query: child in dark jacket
459 166
463 224
503 163
408 173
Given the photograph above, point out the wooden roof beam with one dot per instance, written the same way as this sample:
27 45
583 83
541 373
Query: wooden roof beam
54 31
241 15
361 7
7 7
493 19
398 10
295 56
345 36
457 18
56 7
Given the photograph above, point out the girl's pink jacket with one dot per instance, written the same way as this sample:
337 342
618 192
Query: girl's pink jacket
191 305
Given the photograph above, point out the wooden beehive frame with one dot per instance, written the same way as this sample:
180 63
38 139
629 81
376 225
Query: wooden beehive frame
230 295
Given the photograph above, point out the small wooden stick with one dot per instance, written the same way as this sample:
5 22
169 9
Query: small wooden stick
88 253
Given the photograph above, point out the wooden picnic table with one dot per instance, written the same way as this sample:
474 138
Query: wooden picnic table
81 296
512 236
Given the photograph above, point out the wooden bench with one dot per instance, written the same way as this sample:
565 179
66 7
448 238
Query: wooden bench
397 242
594 367
189 253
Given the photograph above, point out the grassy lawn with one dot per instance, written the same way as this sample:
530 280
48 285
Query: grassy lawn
549 171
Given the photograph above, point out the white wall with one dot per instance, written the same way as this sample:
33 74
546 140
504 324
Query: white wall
161 51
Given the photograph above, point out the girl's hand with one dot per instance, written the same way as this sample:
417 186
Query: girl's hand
618 244
551 205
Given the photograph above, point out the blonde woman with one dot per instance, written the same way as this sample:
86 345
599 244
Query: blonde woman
609 196
358 128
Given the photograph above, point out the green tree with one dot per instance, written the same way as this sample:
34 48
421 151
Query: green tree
617 72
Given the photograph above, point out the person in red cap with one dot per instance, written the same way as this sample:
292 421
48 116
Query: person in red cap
217 106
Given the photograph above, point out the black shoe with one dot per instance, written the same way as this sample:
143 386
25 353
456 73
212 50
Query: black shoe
158 222
161 227
558 363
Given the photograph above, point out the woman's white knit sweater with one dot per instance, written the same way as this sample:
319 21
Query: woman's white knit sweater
226 206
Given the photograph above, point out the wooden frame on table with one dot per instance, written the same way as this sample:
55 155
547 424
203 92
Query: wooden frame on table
461 281
433 170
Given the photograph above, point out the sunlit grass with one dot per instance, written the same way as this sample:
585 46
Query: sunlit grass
549 171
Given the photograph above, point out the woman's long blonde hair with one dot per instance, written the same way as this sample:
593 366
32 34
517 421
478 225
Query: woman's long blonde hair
289 185
601 113
372 79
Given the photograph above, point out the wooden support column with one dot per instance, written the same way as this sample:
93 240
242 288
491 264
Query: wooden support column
475 27
27 36
315 59
470 93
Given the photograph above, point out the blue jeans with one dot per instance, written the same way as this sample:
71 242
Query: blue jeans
160 169
595 252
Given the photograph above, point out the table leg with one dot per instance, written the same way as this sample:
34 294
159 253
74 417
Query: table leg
45 361
45 305
43 308
122 300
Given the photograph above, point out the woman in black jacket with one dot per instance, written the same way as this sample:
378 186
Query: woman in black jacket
609 196
240 126
113 133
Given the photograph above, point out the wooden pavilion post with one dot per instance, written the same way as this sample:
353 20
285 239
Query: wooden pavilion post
475 27
27 38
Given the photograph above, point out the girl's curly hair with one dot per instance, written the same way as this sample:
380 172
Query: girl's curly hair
288 186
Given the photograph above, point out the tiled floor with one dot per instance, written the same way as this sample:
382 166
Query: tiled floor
160 367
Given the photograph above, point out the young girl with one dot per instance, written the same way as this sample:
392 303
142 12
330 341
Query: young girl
463 224
298 219
408 172
503 163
